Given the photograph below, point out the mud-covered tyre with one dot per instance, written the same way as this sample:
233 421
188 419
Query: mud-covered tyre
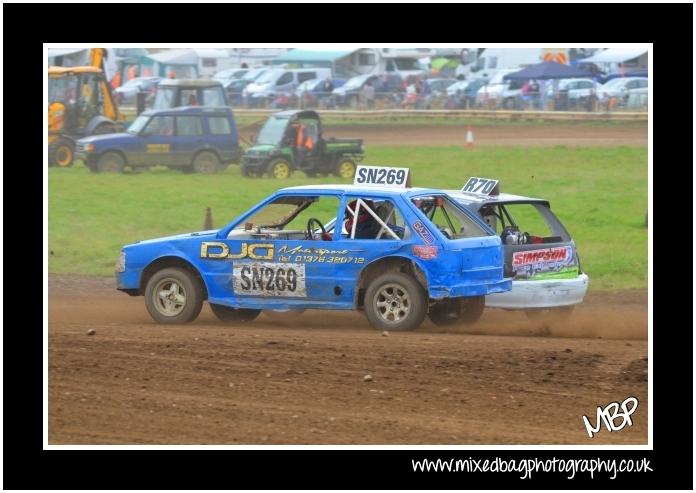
205 162
458 311
229 314
173 296
345 168
395 301
61 153
554 314
279 169
110 162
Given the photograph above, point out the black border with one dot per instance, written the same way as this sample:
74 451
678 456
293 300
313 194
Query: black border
26 465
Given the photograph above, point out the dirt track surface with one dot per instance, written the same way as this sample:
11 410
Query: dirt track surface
505 380
629 134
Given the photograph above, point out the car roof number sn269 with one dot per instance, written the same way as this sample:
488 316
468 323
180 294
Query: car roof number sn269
381 176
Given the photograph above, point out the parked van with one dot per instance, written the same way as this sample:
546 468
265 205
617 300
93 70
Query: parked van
486 64
280 80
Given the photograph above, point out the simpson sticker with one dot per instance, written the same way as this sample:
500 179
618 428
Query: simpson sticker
423 232
269 279
481 186
381 176
531 262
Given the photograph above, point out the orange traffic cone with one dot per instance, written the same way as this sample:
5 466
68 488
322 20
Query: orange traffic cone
469 136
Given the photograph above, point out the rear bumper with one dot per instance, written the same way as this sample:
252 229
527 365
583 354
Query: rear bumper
541 294
476 288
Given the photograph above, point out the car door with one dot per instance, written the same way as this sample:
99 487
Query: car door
221 135
157 138
261 267
356 251
189 138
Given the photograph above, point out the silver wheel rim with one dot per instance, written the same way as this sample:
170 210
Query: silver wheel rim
169 297
392 303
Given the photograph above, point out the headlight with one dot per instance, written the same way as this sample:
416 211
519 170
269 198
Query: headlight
89 148
121 263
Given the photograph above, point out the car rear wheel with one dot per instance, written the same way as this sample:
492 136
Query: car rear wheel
173 296
206 162
61 153
279 169
345 168
110 162
458 311
229 314
395 301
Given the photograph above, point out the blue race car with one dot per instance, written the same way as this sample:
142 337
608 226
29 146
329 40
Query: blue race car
399 254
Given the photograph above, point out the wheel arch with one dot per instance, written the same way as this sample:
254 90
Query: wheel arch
386 264
166 262
114 150
96 121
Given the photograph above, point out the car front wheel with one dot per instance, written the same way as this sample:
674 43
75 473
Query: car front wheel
279 169
110 162
173 296
395 301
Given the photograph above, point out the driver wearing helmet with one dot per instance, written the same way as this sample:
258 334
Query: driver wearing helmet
366 226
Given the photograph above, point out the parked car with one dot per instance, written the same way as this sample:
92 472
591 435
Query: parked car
235 90
615 75
311 91
349 93
279 80
255 73
127 93
199 139
541 257
230 74
399 255
491 94
619 87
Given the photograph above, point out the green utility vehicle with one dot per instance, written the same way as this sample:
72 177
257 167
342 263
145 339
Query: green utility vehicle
293 140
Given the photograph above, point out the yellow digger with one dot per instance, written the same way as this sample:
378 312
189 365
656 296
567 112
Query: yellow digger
80 103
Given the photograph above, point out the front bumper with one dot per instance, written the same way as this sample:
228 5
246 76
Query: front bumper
541 294
258 162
